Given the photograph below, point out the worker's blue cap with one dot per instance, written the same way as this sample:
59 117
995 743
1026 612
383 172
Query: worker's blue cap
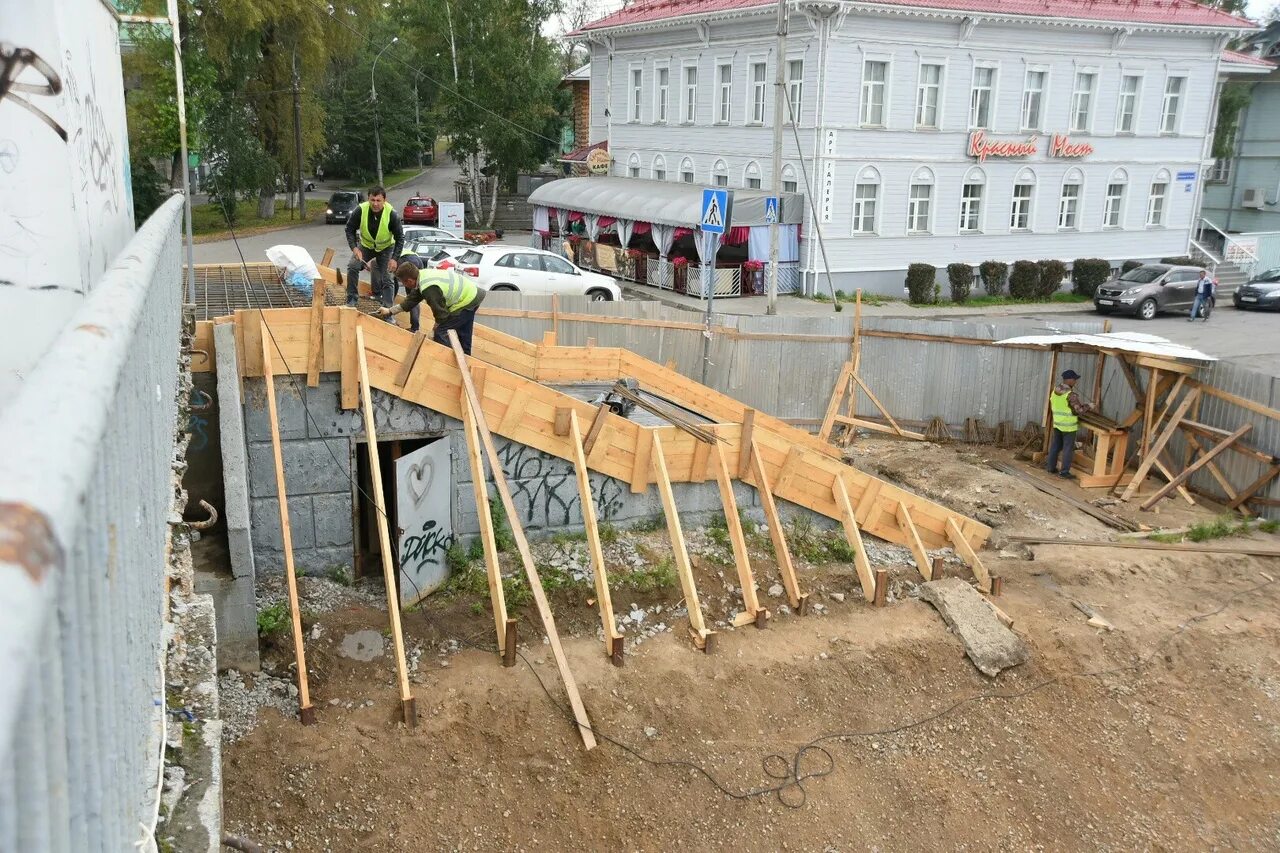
1070 374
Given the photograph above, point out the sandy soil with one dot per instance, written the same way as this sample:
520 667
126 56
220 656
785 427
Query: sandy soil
1163 734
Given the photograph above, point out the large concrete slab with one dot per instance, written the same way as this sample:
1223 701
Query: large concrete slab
989 644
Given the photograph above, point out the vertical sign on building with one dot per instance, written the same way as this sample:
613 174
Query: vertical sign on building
828 191
451 217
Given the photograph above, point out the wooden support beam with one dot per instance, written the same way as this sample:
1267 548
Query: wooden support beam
1253 488
857 331
1168 475
597 426
877 427
1047 418
410 358
1214 471
892 423
315 345
1148 420
837 396
549 338
790 467
913 541
861 564
562 420
326 260
741 558
522 545
511 417
611 633
679 549
1149 459
384 534
306 711
641 467
1195 466
776 533
867 503
347 319
965 551
497 597
698 467
744 446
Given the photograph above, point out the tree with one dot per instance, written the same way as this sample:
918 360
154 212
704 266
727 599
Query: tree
1232 103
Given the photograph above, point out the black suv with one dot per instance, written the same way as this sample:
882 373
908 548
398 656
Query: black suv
340 206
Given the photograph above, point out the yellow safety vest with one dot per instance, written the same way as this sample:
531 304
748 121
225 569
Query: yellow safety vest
1064 420
458 289
383 238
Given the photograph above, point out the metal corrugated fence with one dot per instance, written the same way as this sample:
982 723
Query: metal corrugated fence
86 488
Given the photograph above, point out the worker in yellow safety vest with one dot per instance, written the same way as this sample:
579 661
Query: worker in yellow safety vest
452 297
1067 406
376 238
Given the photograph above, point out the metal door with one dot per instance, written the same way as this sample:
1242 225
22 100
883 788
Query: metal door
424 486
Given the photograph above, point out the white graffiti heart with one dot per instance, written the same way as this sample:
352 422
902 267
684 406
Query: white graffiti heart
420 477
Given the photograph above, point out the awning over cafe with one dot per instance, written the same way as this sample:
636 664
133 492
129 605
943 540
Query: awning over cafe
659 202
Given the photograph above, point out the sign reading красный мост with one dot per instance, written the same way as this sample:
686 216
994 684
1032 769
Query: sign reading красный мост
1059 146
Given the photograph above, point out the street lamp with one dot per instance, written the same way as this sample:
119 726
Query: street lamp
373 91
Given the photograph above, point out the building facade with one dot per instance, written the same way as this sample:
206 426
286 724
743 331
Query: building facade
922 133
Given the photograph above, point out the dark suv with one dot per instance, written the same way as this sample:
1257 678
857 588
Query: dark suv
340 206
1147 290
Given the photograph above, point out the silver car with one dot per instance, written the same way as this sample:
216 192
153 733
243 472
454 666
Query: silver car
1147 290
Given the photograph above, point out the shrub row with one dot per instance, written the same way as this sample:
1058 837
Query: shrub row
1030 280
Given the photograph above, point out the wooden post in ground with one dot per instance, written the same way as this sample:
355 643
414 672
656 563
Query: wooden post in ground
522 545
847 517
776 534
1048 404
741 559
307 713
384 534
702 637
315 346
497 597
612 637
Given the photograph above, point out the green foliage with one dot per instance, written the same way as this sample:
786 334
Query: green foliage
274 619
1233 100
1087 274
1181 261
1222 527
814 545
748 526
821 297
961 278
994 275
339 575
608 533
569 537
649 525
922 284
1052 272
1024 280
661 575
1129 265
502 535
150 188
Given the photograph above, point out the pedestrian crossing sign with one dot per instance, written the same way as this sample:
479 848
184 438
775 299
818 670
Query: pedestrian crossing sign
770 210
716 205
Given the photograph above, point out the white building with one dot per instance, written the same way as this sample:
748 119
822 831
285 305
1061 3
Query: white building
930 131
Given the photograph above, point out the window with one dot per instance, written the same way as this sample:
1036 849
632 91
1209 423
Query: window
662 91
757 92
927 95
795 88
1129 86
919 202
789 183
1156 201
659 168
724 109
874 73
690 93
971 202
1172 100
751 176
1069 202
720 174
1020 211
633 166
557 264
686 170
866 192
980 99
637 78
1112 210
1033 100
1221 171
1082 101
519 262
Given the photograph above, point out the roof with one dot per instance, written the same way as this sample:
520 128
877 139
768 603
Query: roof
1177 12
663 202
579 155
1235 57
578 75
1138 342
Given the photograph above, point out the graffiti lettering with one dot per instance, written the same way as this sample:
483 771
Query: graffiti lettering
199 438
547 488
14 61
427 548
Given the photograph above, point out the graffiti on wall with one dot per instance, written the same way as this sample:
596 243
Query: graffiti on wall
547 488
14 63
425 548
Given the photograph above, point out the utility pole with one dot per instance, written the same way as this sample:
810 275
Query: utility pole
779 105
417 118
182 143
297 138
373 91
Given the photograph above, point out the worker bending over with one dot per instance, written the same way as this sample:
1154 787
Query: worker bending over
376 237
452 297
1067 406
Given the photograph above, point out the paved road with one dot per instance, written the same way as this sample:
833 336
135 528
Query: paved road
436 182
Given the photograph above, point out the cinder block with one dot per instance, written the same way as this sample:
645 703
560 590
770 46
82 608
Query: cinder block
315 466
328 419
324 561
332 519
264 514
290 413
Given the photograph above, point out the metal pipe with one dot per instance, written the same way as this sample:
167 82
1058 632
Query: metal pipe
373 94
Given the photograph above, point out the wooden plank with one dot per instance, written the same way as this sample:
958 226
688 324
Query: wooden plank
593 535
384 533
867 502
1048 402
788 471
856 351
680 550
1168 401
741 559
641 466
861 564
306 711
315 347
923 563
1185 547
876 427
1195 466
597 426
883 410
837 396
347 320
698 468
1165 365
1252 489
410 356
970 556
1237 400
1148 422
744 444
1168 475
497 597
1214 470
776 534
326 260
522 545
1149 459
562 420
549 339
512 416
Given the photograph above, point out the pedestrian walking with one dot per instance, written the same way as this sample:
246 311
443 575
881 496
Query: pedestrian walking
376 238
1205 288
1067 405
452 297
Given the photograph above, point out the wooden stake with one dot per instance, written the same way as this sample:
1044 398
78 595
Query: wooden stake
1204 460
522 545
286 536
698 465
347 319
745 445
640 469
679 550
1048 401
741 559
882 587
315 346
509 643
966 553
497 597
593 535
1149 459
326 260
860 562
837 396
776 534
384 533
913 541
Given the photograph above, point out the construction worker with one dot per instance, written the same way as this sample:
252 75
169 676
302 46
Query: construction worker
452 297
415 312
376 238
1067 406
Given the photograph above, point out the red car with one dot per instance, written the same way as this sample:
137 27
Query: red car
420 211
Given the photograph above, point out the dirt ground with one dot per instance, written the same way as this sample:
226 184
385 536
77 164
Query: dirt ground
851 728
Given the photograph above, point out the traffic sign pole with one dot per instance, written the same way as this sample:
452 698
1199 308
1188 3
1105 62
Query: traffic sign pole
709 247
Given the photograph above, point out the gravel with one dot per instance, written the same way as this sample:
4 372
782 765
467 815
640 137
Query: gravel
241 696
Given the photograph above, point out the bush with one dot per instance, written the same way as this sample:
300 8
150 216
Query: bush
1051 275
994 275
1181 261
1087 274
961 278
922 284
1129 265
1024 280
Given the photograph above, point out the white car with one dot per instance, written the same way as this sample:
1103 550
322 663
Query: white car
427 233
520 268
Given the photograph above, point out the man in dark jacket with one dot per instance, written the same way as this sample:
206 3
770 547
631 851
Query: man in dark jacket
376 238
452 297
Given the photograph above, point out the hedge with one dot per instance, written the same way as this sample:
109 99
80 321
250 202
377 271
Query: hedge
961 278
1052 273
922 284
1129 265
1181 261
994 275
1087 274
1024 280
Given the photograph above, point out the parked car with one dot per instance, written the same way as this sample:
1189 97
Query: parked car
520 268
424 232
420 209
341 203
437 250
1147 290
1262 291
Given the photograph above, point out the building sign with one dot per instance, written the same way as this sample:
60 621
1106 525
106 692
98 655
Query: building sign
1186 176
1240 250
452 217
981 147
598 161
